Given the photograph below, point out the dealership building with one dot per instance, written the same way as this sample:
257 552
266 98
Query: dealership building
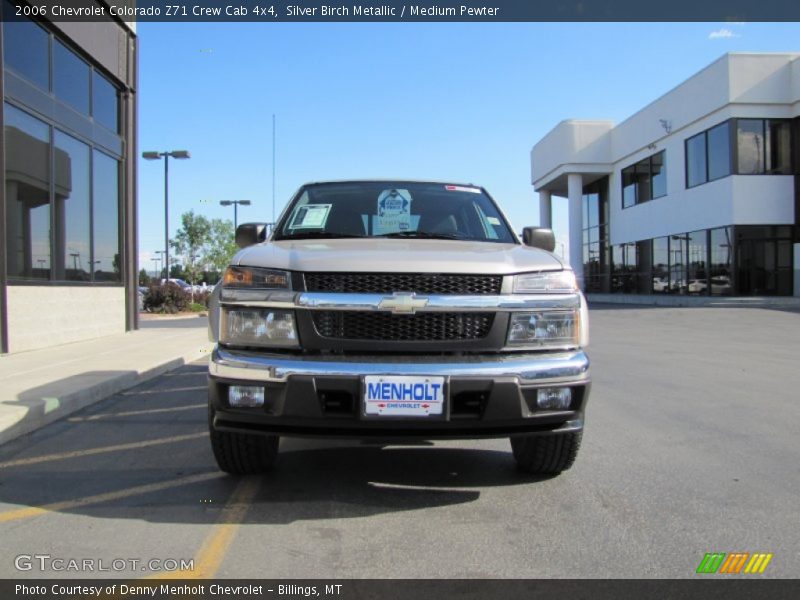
67 198
698 193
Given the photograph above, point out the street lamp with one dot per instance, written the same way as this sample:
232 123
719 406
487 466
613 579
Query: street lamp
236 204
161 259
152 155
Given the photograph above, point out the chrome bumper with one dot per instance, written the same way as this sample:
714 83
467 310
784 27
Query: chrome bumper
530 368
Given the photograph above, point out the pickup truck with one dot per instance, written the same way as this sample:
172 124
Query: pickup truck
396 310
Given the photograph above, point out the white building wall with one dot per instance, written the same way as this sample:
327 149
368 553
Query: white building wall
41 316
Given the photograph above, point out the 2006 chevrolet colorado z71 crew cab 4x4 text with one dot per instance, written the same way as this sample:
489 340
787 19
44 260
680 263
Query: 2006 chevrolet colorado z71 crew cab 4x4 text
397 309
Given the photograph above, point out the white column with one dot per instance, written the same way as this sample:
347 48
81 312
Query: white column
575 195
545 210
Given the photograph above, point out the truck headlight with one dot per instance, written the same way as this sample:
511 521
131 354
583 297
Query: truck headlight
545 329
257 327
255 278
548 282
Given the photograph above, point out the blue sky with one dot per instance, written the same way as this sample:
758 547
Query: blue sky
444 101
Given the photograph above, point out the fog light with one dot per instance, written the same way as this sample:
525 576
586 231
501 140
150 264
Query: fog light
245 396
553 398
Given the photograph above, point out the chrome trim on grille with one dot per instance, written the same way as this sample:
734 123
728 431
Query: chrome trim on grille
540 369
436 303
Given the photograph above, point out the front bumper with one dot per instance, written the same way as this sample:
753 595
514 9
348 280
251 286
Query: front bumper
491 395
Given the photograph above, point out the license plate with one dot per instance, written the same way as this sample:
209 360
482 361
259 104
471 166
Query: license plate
393 395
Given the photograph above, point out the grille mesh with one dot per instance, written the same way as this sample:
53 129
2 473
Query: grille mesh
421 327
386 283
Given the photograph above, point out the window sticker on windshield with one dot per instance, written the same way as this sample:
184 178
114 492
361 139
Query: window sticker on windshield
493 220
462 188
394 212
310 216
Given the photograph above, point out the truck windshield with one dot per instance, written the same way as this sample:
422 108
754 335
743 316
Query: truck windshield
393 210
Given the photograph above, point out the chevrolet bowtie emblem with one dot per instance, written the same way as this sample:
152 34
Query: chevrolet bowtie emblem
402 303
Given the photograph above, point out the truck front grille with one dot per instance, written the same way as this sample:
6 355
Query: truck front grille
386 283
420 327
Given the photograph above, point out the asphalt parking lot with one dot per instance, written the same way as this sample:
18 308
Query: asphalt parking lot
691 447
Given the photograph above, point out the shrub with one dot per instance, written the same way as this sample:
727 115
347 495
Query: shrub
165 299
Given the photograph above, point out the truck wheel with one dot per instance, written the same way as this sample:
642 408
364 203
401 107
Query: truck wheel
546 454
242 454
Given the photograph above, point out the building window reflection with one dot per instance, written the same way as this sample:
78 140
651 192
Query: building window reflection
27 154
645 180
71 206
67 230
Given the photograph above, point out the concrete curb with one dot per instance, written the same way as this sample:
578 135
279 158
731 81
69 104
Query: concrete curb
36 413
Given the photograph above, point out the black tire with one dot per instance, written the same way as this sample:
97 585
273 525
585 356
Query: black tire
240 453
546 454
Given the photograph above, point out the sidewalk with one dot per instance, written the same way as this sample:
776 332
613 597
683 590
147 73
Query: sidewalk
789 303
42 386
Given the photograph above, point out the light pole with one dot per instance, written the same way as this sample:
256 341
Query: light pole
236 204
153 155
160 258
156 265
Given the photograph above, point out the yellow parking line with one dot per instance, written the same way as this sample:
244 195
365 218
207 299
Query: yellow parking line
34 511
79 453
132 413
214 548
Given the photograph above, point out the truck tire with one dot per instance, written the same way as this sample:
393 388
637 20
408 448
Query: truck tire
546 454
242 454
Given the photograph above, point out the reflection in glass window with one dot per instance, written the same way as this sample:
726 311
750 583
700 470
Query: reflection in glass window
721 251
751 147
660 280
70 78
778 147
27 195
719 151
645 180
658 168
72 256
628 187
105 186
696 160
25 47
104 102
697 268
678 259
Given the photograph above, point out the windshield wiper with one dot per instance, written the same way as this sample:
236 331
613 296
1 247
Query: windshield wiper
428 235
307 235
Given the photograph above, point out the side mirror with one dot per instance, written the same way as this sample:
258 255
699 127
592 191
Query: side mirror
539 237
248 234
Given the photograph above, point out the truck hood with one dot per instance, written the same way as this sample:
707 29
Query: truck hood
398 256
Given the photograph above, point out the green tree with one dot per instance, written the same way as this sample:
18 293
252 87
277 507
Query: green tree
144 278
221 247
190 243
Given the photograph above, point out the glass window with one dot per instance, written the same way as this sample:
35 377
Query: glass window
778 147
721 251
643 181
658 169
105 188
27 195
72 256
70 78
696 160
697 268
593 201
104 102
678 257
750 146
628 187
719 151
661 265
26 47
